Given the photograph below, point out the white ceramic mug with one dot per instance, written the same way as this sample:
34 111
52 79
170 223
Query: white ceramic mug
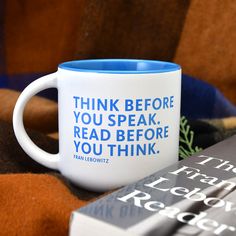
118 120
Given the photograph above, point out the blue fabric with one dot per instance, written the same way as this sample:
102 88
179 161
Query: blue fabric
199 99
19 82
3 81
202 100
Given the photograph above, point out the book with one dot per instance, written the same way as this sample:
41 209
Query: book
195 196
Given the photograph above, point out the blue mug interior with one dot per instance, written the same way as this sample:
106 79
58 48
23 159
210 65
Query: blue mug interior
120 66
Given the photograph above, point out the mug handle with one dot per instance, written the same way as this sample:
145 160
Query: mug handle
39 155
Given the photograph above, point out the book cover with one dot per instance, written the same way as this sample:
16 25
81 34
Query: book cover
195 196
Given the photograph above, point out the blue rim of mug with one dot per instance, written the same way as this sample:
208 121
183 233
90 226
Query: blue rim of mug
120 66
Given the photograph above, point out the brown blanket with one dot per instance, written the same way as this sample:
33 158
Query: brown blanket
199 35
34 200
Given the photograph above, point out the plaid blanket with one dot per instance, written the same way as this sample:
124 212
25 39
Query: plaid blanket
40 199
37 35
